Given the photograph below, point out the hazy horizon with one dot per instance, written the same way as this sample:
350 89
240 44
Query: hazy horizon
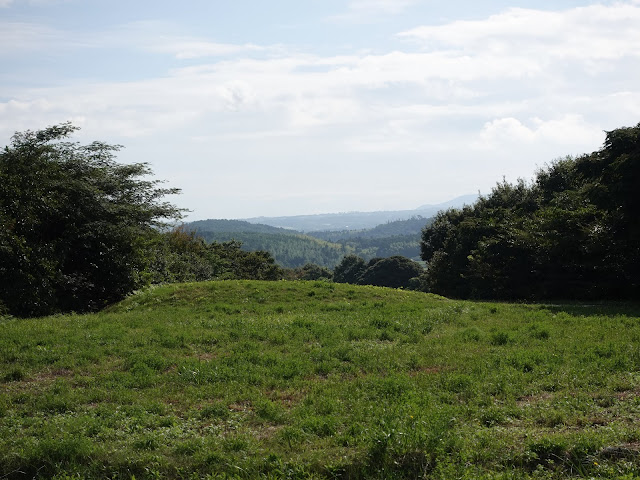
191 218
297 108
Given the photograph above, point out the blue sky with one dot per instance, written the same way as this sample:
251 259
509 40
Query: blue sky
312 106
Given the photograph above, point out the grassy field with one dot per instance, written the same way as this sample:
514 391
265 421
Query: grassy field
245 379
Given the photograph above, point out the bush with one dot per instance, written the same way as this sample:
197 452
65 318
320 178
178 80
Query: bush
76 224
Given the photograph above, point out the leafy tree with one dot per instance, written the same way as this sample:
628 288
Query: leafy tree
75 224
311 271
239 264
572 233
181 256
394 272
349 269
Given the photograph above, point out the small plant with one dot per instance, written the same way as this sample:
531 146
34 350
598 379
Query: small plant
215 410
14 375
500 338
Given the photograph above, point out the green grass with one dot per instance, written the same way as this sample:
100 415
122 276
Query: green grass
319 380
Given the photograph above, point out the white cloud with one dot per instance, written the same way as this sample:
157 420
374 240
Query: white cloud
18 37
475 100
595 32
569 129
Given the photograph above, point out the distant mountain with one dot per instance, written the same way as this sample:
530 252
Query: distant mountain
366 234
454 203
357 220
234 226
401 237
293 249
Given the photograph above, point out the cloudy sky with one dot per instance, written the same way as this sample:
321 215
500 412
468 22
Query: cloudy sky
288 107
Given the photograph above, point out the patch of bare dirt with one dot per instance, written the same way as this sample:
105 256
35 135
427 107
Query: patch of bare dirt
528 400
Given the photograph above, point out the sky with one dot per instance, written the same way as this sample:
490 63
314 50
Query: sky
292 107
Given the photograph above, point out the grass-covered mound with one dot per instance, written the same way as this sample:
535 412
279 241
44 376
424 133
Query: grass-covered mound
317 380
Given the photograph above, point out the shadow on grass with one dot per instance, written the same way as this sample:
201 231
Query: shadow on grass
600 308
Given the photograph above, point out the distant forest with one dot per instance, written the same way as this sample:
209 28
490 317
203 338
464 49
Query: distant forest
293 249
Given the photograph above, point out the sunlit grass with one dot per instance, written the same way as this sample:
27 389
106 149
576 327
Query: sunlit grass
320 380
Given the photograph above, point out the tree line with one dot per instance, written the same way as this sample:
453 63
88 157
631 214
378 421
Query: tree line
292 249
80 231
571 233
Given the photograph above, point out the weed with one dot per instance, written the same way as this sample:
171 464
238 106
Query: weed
499 338
14 375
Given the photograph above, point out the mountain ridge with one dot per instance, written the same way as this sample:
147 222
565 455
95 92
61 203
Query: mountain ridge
357 220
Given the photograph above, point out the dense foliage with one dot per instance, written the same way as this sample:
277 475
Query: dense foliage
80 231
394 272
179 255
309 271
289 250
397 228
292 249
74 223
571 233
349 269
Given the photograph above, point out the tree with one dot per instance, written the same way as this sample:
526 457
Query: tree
311 271
393 272
349 269
241 265
75 224
572 233
181 256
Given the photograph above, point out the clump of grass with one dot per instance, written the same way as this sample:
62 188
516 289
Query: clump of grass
217 410
16 374
500 338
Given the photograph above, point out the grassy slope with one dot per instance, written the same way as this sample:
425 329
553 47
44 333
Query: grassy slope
298 380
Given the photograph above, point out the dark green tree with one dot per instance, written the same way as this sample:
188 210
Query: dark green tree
75 224
311 271
393 272
242 265
349 269
572 233
181 256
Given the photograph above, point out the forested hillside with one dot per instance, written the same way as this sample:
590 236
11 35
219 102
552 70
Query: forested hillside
293 249
397 228
571 233
288 249
232 226
400 237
